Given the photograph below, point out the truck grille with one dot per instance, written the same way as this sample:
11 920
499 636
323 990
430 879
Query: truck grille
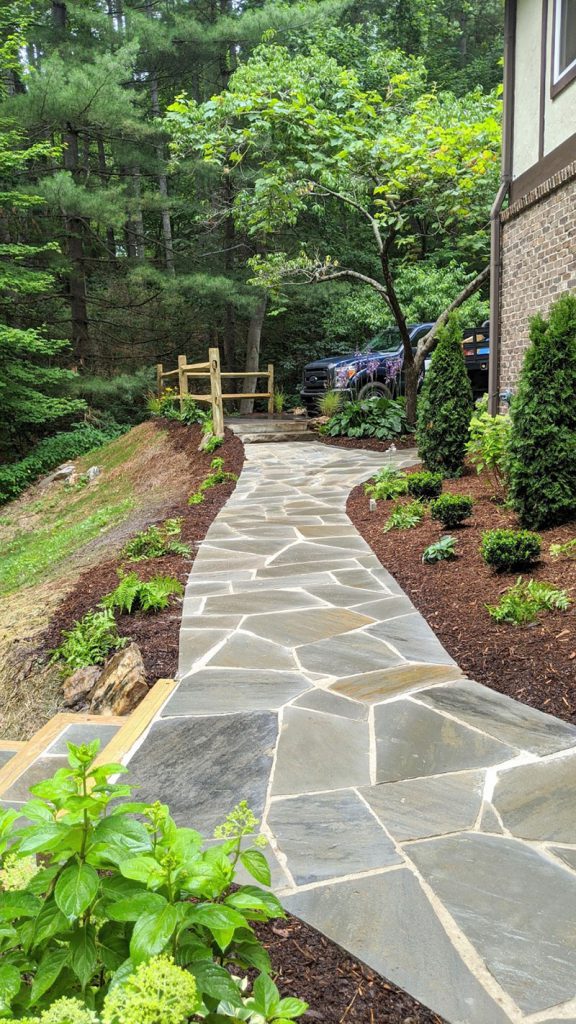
316 380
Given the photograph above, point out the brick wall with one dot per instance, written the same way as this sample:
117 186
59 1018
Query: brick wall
538 264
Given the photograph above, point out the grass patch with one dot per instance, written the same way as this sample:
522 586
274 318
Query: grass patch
30 555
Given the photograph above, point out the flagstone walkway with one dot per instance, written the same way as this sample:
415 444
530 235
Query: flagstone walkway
423 822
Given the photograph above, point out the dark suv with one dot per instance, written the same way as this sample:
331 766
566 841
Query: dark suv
377 370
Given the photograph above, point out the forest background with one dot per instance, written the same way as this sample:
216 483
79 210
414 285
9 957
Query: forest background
113 256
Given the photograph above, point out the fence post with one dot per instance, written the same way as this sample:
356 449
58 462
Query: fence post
182 380
271 389
159 371
216 392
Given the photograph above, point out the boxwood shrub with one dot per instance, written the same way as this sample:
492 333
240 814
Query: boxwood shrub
508 550
451 509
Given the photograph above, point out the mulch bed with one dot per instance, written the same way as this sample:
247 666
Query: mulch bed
157 635
535 664
338 989
370 444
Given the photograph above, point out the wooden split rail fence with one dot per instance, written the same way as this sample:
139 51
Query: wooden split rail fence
211 371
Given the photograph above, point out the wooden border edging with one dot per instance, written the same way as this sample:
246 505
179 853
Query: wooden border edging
30 750
135 724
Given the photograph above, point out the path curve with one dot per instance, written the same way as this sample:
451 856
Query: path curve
423 822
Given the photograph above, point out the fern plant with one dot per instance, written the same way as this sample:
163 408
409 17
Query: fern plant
405 517
522 603
158 540
218 476
89 641
133 594
566 550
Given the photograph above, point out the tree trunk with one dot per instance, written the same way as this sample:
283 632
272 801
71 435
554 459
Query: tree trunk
411 392
103 172
75 235
162 178
137 221
253 354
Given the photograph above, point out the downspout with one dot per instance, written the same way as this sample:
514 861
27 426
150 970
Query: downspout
495 221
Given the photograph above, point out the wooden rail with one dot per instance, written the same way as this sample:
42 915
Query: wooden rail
212 372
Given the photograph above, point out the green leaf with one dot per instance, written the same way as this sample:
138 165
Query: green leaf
135 906
9 985
113 945
139 869
152 932
122 837
50 967
49 922
83 957
42 838
291 1008
256 864
215 981
266 995
76 889
18 904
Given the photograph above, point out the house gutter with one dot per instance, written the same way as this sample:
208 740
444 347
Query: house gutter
495 221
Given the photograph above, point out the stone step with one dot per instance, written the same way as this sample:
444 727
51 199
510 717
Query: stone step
277 435
251 430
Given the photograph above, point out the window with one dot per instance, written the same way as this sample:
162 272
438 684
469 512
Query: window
564 57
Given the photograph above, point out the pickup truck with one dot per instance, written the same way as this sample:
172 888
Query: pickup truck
377 370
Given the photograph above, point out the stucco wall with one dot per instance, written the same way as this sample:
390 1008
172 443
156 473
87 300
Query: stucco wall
559 113
538 264
527 85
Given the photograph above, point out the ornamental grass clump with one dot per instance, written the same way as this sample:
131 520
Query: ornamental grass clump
128 918
451 509
445 405
424 485
543 436
507 550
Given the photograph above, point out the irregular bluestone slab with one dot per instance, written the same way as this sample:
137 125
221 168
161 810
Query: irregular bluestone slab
329 834
214 691
243 650
568 856
412 637
42 768
427 807
83 733
322 700
305 626
502 717
318 751
259 601
373 687
412 740
347 654
202 767
537 801
387 922
519 913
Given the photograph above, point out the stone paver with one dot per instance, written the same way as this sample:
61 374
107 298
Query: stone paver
423 822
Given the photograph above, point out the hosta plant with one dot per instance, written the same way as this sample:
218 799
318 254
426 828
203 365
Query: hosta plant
522 603
121 898
405 517
382 418
133 594
387 483
442 551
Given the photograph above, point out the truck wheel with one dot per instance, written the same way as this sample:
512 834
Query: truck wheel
374 389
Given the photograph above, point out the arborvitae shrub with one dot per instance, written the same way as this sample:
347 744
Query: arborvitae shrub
445 405
543 439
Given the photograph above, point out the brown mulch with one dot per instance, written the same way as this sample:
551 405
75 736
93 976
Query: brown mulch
337 988
157 635
370 444
535 664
